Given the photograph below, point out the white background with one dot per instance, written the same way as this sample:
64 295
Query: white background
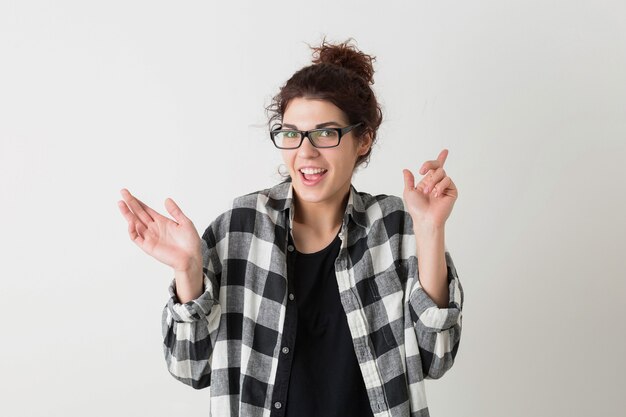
167 99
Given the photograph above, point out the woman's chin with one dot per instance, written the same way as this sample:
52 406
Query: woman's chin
311 195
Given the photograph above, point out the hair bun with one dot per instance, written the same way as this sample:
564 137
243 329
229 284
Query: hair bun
346 56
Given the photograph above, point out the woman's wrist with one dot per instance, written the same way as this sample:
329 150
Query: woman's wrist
189 282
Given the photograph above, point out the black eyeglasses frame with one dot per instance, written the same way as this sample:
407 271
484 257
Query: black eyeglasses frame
341 131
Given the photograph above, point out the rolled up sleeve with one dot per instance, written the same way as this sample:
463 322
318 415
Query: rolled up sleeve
193 310
438 329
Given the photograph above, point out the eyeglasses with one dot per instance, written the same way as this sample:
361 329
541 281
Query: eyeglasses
327 137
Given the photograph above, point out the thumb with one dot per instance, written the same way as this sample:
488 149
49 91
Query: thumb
409 179
175 211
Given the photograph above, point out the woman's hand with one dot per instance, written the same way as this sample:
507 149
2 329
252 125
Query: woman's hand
431 201
174 243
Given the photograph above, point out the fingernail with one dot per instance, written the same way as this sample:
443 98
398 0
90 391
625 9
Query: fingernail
426 190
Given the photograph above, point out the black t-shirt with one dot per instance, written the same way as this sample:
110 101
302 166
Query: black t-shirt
325 379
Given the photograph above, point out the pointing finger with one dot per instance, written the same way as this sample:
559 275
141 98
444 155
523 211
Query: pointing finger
442 156
435 163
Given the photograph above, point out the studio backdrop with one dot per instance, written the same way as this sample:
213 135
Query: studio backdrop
167 99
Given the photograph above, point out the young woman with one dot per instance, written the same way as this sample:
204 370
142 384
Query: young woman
311 298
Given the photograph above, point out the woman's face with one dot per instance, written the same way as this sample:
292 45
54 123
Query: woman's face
338 162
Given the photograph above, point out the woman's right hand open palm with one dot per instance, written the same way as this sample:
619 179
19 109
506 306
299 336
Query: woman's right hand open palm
174 243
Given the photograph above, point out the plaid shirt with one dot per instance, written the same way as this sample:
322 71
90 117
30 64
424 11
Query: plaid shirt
229 338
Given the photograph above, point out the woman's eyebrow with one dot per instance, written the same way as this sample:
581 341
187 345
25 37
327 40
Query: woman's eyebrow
317 127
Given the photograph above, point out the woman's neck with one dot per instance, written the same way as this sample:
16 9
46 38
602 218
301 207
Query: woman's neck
316 224
324 217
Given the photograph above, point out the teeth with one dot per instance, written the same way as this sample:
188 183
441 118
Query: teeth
309 171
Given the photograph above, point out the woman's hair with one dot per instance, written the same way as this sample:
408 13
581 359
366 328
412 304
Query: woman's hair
341 74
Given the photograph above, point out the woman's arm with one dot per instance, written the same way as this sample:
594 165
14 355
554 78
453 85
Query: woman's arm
436 296
433 274
437 327
190 329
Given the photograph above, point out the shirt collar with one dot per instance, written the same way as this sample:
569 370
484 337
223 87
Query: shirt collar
280 198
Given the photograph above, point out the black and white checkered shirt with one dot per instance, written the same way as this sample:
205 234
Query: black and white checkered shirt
229 338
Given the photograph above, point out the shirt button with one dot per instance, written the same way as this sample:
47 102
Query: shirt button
291 296
277 404
290 248
285 350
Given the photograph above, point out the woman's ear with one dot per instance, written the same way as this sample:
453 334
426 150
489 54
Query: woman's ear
365 142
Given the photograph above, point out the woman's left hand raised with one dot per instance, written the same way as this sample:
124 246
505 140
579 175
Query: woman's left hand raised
431 201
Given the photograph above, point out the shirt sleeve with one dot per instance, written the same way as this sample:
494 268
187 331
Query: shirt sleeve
190 329
438 329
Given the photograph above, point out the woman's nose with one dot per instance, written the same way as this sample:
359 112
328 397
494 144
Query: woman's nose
307 148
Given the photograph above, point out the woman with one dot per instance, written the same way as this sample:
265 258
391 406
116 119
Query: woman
304 299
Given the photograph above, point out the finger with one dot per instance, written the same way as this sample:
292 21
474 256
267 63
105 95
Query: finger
130 218
153 213
440 188
140 231
443 155
175 211
133 222
409 179
172 208
433 178
136 206
451 189
428 165
134 234
128 215
435 163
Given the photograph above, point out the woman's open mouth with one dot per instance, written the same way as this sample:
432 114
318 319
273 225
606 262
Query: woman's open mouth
312 178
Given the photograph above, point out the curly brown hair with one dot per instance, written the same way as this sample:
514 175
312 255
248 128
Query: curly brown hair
341 74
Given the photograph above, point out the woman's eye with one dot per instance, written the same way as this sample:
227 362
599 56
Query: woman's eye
291 134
